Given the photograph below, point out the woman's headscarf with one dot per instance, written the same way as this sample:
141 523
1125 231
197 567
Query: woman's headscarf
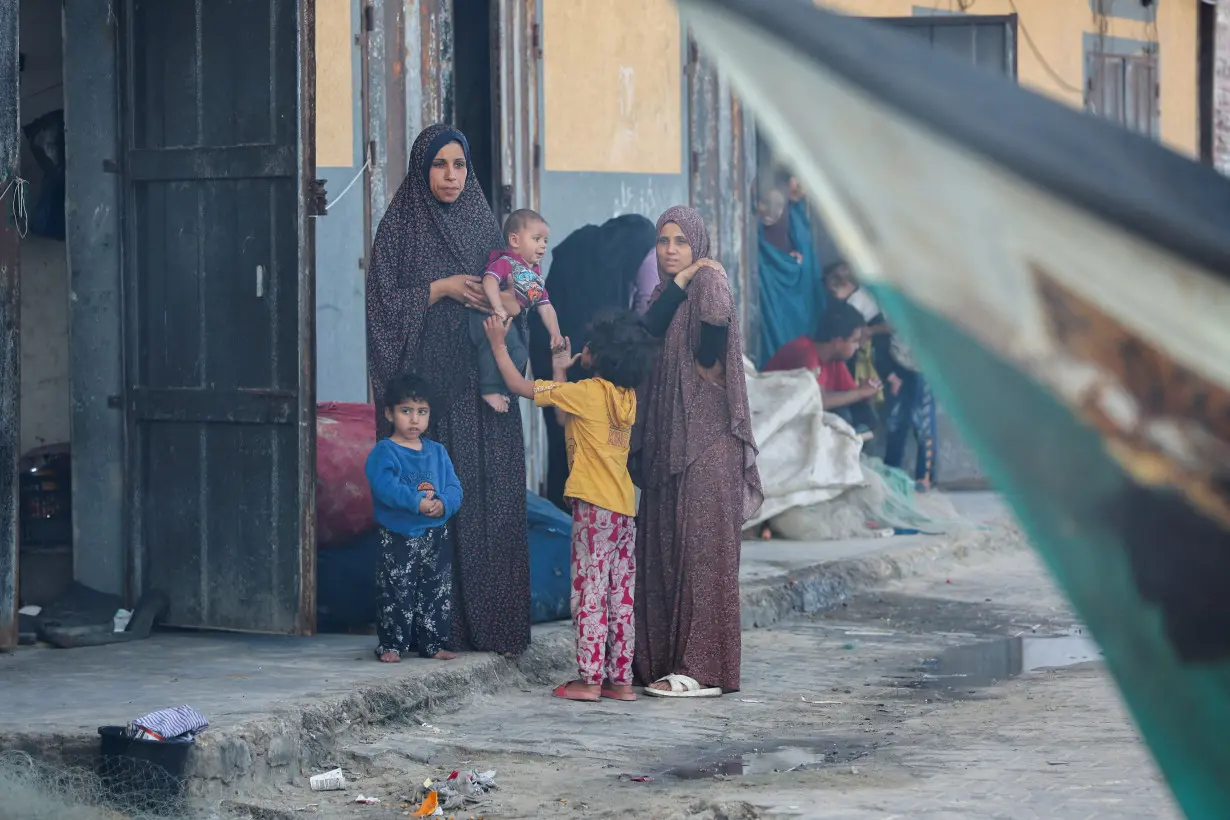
672 437
420 240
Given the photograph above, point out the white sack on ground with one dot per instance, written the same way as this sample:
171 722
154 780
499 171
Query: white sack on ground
884 500
806 455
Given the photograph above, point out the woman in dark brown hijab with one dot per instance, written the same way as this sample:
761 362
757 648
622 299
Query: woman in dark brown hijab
697 461
430 248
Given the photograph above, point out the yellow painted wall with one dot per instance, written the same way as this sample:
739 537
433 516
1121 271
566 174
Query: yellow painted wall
612 87
1056 28
335 132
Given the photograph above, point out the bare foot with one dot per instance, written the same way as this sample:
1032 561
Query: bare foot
496 402
392 656
445 655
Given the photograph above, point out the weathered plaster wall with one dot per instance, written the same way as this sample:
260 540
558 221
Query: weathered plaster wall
44 351
1221 89
44 262
613 112
100 555
1056 67
341 244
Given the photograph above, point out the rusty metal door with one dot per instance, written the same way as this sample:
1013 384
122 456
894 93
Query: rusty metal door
516 96
218 120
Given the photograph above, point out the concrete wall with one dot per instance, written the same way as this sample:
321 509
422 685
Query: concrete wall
1221 88
44 262
341 243
95 300
1057 68
614 120
44 350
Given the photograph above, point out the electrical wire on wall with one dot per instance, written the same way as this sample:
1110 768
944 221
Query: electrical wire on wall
1037 52
17 205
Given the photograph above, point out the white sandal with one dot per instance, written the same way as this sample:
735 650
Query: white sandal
683 687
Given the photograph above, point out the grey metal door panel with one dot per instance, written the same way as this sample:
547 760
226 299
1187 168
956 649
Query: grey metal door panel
988 41
218 287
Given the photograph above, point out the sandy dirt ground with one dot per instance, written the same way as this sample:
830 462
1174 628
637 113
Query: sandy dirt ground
877 710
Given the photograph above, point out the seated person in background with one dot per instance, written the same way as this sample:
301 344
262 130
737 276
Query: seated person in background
843 287
909 405
839 337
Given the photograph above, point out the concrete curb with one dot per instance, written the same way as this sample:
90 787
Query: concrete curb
286 747
308 736
827 584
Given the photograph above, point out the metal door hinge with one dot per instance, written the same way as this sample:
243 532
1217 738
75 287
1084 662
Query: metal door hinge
369 18
535 40
506 199
537 156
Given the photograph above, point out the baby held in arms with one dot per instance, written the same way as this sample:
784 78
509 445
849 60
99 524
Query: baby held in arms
516 269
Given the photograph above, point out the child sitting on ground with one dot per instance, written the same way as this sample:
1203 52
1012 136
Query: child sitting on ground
597 416
515 268
415 492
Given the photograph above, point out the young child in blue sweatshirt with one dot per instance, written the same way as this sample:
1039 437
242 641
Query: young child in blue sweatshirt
415 492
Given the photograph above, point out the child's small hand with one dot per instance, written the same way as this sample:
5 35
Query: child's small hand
894 383
557 343
561 354
496 329
426 506
436 508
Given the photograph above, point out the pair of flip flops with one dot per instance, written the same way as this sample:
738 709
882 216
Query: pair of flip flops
562 691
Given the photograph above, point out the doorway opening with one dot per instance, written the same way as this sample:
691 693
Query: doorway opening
45 550
475 99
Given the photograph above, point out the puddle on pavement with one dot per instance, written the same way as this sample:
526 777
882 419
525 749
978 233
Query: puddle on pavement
963 668
766 758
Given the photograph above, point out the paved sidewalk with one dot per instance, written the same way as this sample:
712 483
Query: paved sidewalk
279 704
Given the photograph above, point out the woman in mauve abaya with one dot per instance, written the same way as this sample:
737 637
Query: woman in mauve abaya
696 460
430 250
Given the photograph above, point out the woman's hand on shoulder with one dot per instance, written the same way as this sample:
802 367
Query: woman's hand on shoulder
684 277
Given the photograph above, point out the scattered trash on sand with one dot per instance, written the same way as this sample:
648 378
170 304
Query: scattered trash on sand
367 801
821 702
330 781
636 778
750 700
430 806
459 790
